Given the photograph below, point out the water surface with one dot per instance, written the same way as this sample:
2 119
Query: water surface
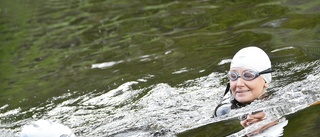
146 68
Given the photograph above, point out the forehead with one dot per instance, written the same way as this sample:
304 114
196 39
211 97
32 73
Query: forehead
240 69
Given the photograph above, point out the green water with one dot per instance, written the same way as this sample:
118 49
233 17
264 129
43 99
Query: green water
48 48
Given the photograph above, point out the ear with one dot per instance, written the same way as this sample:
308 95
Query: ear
266 85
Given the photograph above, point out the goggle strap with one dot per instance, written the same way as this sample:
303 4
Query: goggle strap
225 92
269 70
227 89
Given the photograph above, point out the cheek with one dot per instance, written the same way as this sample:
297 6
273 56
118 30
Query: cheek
233 87
257 86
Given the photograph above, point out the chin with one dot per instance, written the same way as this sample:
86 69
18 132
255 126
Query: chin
243 100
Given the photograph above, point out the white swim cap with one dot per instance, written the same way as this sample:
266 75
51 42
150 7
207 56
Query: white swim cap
45 128
252 58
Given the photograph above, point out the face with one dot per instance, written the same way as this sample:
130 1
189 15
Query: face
247 91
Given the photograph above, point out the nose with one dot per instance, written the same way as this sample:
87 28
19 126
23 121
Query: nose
240 81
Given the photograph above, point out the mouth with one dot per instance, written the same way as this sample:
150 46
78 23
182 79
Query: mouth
242 91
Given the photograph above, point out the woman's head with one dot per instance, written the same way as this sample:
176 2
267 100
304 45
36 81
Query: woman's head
246 80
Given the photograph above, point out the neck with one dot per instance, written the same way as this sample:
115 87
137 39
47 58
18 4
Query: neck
262 95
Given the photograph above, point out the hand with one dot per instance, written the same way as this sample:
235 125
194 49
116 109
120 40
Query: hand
253 118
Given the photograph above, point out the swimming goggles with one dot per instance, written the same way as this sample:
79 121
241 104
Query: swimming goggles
245 116
247 75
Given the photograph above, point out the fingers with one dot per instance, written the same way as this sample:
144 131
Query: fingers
259 115
243 123
251 119
269 125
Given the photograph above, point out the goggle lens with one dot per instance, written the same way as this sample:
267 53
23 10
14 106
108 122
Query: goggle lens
249 75
233 75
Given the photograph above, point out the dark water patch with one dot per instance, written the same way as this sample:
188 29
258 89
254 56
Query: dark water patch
222 128
298 120
306 7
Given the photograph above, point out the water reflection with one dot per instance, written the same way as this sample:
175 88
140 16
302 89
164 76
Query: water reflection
106 64
159 67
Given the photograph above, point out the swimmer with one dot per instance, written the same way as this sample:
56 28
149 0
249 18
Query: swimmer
249 77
